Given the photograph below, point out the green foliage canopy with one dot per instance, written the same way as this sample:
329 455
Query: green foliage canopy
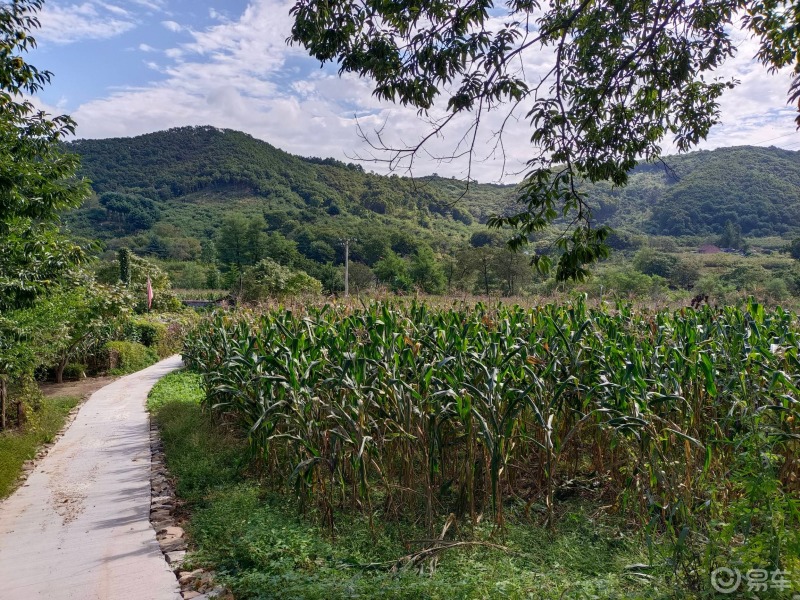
625 75
267 279
37 179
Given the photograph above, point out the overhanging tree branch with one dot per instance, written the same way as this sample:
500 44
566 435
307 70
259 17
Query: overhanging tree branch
626 76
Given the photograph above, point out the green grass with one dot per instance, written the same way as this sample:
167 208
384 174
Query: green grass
252 535
129 357
16 447
201 456
179 387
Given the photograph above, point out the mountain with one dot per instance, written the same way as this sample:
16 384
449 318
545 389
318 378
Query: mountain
697 193
182 182
756 188
166 193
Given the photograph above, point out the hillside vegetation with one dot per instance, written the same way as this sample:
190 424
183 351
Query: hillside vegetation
186 177
212 203
206 168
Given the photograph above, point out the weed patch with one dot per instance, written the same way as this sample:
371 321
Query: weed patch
18 446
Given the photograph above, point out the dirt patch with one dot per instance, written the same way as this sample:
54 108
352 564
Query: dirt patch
83 388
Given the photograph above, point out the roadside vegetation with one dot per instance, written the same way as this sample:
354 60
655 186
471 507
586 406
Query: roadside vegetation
16 447
63 313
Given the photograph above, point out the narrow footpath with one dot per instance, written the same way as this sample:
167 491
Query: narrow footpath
79 528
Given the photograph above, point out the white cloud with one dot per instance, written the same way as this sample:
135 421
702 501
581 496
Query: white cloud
217 15
756 111
240 74
172 26
154 5
146 48
117 10
67 23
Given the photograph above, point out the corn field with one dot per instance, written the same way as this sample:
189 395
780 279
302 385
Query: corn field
409 411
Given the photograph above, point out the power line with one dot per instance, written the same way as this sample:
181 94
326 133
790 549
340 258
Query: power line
775 138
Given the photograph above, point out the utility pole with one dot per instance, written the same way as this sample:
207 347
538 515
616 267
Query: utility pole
347 267
346 243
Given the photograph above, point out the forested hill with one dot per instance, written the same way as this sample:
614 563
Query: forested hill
184 161
697 193
756 188
171 189
167 194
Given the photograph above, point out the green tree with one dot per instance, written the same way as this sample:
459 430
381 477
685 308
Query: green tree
155 246
653 262
20 354
281 250
684 274
267 279
371 248
331 276
485 237
208 252
393 271
731 236
124 260
255 240
86 314
212 278
512 269
426 272
37 178
459 269
483 260
794 249
66 322
361 277
33 258
232 242
625 76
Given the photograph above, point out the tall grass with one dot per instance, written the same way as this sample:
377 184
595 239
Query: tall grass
418 412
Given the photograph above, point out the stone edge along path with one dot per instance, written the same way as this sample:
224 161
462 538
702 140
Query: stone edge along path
198 583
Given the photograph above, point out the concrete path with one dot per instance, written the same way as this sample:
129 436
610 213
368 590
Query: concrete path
79 527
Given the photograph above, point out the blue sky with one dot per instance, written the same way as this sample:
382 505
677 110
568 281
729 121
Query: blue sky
127 67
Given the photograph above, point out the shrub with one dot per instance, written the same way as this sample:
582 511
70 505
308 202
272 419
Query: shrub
24 399
684 274
268 279
75 371
128 357
626 283
713 286
653 262
163 333
745 277
145 331
776 289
